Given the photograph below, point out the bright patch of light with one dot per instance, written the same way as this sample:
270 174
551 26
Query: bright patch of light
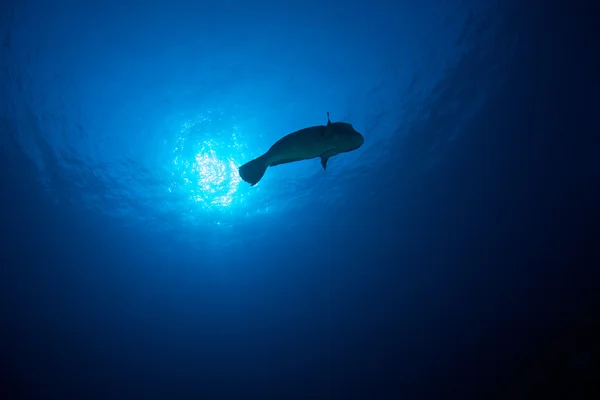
205 166
218 179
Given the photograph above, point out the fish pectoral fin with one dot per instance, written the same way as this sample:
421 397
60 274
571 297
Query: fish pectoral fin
326 156
324 162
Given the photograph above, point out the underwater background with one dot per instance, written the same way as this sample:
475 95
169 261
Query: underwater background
456 254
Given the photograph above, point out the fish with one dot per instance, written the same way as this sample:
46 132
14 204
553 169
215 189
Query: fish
324 141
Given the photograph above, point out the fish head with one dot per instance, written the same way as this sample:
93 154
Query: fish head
346 137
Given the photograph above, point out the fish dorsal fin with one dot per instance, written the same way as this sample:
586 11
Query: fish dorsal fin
328 130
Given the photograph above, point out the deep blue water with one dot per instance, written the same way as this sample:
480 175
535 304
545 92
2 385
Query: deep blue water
454 255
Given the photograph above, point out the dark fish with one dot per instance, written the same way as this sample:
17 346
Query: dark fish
323 141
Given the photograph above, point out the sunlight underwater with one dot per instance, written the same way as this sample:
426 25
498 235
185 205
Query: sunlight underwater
204 167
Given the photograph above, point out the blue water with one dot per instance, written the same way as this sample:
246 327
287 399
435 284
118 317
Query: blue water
453 255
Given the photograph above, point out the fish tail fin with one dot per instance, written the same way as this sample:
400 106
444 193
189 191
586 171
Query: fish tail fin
253 171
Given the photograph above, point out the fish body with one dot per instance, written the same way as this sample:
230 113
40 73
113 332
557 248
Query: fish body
324 141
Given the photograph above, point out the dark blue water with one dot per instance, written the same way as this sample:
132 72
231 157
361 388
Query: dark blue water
454 255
